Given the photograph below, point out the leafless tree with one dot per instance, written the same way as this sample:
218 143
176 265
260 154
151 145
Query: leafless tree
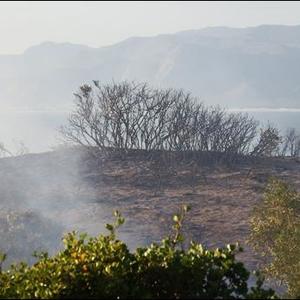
268 143
128 115
291 143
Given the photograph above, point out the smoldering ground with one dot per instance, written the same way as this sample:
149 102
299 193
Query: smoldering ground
38 195
44 196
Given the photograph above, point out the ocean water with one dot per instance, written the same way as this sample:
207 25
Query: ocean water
281 119
38 130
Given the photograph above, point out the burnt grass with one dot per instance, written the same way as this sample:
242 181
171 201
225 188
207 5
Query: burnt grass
80 191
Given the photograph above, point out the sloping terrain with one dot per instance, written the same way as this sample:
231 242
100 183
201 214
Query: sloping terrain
233 67
76 191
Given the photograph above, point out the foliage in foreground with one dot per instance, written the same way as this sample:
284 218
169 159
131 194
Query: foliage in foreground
275 233
103 267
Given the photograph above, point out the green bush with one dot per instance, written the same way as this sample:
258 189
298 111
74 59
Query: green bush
275 234
103 267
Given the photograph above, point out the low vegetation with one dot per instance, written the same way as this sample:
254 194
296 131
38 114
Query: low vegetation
103 267
275 226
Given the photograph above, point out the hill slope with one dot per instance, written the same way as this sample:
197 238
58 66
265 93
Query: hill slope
72 190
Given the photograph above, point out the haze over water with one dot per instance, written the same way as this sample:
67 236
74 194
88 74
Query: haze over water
38 130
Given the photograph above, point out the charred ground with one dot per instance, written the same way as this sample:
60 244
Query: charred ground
77 191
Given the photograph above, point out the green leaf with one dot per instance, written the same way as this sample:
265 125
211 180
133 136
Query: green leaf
109 227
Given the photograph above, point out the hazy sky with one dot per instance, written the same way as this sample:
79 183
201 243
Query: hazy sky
23 24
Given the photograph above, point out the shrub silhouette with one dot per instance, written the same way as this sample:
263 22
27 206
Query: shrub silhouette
103 267
129 115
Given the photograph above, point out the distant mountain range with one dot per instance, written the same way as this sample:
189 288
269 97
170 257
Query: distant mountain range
233 67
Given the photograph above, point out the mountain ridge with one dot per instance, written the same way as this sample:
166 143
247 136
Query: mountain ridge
233 67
